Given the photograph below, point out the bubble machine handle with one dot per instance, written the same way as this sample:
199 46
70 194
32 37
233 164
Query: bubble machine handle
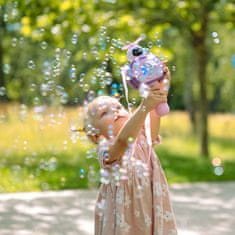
162 109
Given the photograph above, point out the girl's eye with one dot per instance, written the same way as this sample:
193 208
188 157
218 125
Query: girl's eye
102 114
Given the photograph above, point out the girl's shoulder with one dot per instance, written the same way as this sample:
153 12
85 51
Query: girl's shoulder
102 152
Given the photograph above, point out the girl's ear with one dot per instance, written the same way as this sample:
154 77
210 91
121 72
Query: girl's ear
94 138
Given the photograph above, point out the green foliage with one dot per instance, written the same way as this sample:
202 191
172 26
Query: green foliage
42 156
43 32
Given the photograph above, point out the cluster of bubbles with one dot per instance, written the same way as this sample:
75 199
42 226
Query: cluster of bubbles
215 37
31 64
73 73
113 175
103 38
110 131
91 130
116 90
217 164
118 173
49 87
10 14
49 165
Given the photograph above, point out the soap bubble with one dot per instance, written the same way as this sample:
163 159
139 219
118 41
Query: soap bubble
2 91
45 186
62 181
86 87
218 170
90 95
6 68
214 34
133 101
90 153
14 42
43 45
216 161
173 68
130 139
105 176
67 53
74 39
233 61
92 177
64 98
32 87
31 64
100 92
144 90
150 44
36 100
216 40
110 1
82 173
158 43
41 31
44 88
72 72
215 37
93 80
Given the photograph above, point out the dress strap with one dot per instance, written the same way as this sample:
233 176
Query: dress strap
148 134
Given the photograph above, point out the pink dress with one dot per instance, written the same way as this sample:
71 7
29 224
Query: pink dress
133 197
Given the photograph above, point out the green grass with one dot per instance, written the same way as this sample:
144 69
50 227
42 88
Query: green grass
37 153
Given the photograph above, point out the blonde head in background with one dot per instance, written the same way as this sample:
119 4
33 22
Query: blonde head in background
104 117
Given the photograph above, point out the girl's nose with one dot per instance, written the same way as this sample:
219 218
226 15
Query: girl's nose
116 112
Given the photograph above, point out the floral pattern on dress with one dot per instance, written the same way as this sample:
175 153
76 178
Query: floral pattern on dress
134 196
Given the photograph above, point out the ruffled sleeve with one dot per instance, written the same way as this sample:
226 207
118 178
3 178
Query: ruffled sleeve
102 152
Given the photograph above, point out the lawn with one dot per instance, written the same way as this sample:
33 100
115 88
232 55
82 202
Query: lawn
38 152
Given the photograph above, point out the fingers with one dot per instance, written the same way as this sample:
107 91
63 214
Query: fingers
154 86
167 74
159 97
165 62
159 92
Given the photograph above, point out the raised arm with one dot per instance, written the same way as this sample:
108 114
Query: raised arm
130 129
133 125
154 118
155 124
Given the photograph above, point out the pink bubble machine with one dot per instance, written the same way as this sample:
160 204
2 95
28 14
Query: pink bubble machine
142 71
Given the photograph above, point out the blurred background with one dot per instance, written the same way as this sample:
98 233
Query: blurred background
56 56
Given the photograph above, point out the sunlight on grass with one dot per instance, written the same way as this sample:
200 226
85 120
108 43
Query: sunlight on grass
37 151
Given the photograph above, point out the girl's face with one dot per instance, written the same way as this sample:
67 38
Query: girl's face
109 118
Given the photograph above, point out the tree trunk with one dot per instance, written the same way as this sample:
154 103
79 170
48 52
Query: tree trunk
203 103
202 61
189 99
2 78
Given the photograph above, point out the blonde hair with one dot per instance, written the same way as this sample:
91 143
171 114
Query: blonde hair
89 113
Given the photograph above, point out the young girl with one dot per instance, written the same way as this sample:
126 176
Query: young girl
133 197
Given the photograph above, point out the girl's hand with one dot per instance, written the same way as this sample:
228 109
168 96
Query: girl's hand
167 75
155 97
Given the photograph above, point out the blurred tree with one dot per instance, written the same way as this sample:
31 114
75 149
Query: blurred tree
62 51
192 18
3 97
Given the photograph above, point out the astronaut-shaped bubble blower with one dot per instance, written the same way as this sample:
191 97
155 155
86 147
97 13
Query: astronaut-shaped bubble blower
143 70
